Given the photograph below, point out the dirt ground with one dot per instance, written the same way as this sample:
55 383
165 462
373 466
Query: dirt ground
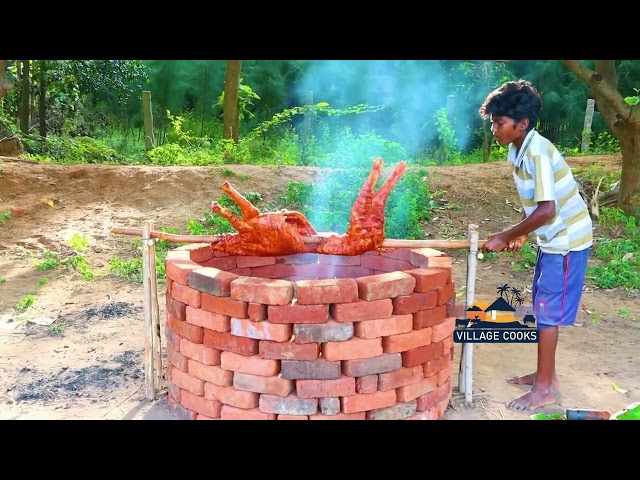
77 352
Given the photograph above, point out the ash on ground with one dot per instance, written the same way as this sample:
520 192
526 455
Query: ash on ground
94 382
80 320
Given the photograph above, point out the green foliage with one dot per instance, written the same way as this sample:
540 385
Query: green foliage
61 149
620 257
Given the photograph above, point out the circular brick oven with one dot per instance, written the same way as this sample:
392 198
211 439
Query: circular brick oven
308 336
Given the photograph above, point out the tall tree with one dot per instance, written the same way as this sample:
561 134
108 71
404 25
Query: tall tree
25 106
622 118
230 106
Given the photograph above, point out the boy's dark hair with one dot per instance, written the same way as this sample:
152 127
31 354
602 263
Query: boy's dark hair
515 99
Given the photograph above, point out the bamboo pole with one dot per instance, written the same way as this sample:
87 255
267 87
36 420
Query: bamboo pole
315 239
147 259
465 379
155 316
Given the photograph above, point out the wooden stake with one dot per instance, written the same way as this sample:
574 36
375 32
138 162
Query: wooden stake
315 239
465 380
149 335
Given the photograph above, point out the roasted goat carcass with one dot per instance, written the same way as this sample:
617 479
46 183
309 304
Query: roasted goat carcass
366 227
281 232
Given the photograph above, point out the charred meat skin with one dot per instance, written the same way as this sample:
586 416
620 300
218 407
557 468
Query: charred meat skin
261 234
280 233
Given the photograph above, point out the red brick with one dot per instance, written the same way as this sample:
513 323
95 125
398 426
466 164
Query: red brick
444 374
399 411
420 257
280 270
431 414
224 306
368 384
172 338
404 266
401 253
317 370
431 399
186 295
361 310
258 384
289 405
212 281
172 388
210 408
177 360
406 341
432 367
176 308
339 416
339 290
446 293
420 355
230 396
212 321
399 378
252 365
363 402
199 352
298 313
361 367
288 350
198 252
299 258
233 413
204 417
428 279
262 290
293 417
321 333
261 330
210 373
179 411
339 387
383 327
440 262
251 261
257 312
385 285
191 332
230 343
226 264
378 263
429 318
179 269
414 302
415 390
187 382
443 330
355 348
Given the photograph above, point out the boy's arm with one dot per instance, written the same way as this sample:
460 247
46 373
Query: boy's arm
544 212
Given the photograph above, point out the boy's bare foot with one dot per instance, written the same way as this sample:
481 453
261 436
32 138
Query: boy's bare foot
529 379
533 399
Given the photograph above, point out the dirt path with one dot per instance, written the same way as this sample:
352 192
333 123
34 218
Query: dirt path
88 362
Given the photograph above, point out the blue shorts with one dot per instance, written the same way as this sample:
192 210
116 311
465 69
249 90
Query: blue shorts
557 287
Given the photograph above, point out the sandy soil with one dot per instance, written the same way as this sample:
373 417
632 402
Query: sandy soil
88 363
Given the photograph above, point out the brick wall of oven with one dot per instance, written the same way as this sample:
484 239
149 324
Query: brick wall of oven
309 337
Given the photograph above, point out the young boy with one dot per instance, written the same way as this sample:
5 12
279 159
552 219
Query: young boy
555 211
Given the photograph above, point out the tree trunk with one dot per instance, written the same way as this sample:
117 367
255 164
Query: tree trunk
43 98
629 196
25 105
4 85
230 107
623 120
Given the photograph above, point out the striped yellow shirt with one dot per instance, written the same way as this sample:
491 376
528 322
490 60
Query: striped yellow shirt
541 173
